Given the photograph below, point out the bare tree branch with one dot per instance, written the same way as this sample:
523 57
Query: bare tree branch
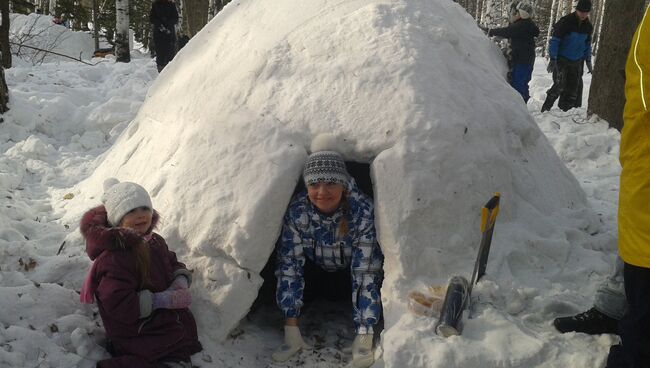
56 53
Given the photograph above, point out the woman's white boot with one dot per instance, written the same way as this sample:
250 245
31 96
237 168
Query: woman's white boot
362 354
293 343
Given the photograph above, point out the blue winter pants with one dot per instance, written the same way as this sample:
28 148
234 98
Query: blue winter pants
521 74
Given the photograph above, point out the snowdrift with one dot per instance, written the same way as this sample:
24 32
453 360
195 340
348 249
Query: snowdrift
410 87
37 30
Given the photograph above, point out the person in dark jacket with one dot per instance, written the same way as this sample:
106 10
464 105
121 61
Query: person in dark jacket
522 33
142 290
163 17
569 49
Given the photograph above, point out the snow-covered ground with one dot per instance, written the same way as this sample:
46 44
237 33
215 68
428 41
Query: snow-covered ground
66 116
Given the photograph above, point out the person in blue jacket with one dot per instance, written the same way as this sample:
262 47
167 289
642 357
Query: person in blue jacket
329 226
569 49
522 32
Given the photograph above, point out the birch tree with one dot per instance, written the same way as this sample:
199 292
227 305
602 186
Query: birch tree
122 49
607 93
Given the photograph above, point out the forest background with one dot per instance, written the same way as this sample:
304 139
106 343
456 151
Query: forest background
614 23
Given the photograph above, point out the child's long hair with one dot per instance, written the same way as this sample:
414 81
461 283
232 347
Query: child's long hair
142 257
142 262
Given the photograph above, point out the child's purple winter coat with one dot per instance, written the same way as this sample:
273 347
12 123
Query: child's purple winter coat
164 335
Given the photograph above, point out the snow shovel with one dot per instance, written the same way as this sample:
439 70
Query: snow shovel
455 308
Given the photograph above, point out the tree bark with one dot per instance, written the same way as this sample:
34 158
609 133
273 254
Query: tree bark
4 92
196 14
5 49
122 48
607 93
96 23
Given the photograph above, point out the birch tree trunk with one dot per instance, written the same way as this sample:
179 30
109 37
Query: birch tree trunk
181 26
551 21
598 26
53 7
607 93
212 9
493 15
568 8
96 23
122 49
196 12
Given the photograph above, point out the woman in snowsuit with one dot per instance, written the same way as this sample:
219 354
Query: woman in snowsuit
142 290
330 226
163 17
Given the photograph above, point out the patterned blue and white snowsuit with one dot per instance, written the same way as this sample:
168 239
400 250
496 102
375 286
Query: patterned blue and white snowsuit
308 233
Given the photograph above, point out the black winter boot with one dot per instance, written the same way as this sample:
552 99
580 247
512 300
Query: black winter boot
590 322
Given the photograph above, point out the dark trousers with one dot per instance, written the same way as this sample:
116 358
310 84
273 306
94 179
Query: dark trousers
332 286
567 79
165 49
634 328
521 74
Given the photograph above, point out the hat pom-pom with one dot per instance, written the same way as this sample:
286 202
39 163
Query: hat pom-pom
108 183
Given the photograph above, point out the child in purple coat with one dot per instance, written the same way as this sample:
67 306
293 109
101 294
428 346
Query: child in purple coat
142 290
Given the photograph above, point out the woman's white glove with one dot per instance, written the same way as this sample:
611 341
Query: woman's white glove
362 355
293 343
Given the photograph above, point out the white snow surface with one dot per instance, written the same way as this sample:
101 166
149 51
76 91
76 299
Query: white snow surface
411 87
39 31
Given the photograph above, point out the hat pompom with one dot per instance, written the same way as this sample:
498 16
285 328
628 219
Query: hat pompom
108 183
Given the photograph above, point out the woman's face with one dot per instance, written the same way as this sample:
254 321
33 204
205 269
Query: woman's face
138 220
325 196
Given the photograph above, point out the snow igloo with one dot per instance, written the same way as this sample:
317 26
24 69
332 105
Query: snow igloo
411 88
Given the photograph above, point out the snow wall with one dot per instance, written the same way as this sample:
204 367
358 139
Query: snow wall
411 87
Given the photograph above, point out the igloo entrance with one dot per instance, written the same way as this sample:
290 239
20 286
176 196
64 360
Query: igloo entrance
327 312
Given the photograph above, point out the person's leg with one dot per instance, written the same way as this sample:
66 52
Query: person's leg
609 307
521 74
569 92
635 325
579 88
610 296
556 89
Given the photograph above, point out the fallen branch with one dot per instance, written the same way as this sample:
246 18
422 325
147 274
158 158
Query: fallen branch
55 53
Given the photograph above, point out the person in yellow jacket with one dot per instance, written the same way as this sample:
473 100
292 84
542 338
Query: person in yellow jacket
634 206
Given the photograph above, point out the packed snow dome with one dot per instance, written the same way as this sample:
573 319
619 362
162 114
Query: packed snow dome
411 87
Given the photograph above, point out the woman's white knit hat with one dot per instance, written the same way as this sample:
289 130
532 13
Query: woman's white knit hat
120 198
